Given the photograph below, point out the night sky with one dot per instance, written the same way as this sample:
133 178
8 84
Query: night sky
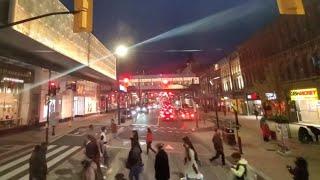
227 23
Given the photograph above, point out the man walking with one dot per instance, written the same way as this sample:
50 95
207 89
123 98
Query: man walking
218 146
161 165
114 129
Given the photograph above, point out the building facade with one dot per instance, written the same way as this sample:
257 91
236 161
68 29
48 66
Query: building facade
280 65
36 54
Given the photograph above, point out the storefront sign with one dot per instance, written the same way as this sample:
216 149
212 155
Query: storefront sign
271 96
253 96
304 94
14 73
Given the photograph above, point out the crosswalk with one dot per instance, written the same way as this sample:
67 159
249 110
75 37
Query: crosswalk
17 167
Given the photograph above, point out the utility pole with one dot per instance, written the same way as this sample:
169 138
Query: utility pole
48 108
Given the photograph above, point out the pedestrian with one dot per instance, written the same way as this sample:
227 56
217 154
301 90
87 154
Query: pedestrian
218 146
38 164
161 165
91 131
89 171
300 171
92 152
265 129
190 161
256 113
239 170
149 141
114 129
134 161
103 146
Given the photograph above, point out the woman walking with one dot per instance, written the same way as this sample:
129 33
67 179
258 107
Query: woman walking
134 160
149 141
190 161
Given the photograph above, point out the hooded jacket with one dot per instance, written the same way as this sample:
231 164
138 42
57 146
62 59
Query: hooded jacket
240 170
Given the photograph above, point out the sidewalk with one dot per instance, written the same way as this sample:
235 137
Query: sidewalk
264 156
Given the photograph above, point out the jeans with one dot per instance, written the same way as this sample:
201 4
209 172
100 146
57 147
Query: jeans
135 172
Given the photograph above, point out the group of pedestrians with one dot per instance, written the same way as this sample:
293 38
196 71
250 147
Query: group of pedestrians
96 155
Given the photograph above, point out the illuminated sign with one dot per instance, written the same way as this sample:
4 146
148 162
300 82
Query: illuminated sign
271 96
253 96
304 94
122 88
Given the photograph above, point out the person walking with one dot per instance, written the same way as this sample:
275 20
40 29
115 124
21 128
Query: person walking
89 171
239 170
218 146
190 161
149 141
38 164
265 129
103 146
92 152
161 165
134 160
300 171
114 129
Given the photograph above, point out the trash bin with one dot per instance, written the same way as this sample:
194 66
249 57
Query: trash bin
229 136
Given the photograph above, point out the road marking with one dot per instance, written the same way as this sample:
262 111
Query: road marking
23 158
26 166
57 159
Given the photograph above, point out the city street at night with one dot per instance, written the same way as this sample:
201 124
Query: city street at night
159 90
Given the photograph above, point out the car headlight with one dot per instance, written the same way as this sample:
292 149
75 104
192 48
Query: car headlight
144 109
138 108
133 112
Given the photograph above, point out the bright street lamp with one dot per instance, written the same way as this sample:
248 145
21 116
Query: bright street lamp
121 51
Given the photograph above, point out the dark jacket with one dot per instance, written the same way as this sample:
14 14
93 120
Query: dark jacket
299 173
217 142
161 166
92 150
134 157
38 165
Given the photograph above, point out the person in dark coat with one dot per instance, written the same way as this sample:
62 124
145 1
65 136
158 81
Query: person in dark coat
161 165
134 161
92 152
218 146
38 164
300 171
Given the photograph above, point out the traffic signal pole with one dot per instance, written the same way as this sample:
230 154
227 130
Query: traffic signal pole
48 108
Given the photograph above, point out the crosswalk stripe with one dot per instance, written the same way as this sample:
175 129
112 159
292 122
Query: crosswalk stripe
26 166
56 160
24 158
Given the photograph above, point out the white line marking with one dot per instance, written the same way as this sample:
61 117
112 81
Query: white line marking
26 166
54 161
21 159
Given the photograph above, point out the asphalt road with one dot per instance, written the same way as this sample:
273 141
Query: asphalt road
64 157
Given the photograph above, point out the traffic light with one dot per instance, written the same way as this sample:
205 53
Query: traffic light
52 89
83 18
291 7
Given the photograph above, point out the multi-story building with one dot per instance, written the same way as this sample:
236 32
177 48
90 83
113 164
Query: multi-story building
280 64
47 51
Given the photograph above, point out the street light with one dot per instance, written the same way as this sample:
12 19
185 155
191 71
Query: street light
121 51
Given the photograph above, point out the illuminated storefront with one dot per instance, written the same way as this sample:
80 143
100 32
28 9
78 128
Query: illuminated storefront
86 99
307 104
12 83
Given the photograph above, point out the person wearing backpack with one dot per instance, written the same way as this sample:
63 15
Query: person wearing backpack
239 170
